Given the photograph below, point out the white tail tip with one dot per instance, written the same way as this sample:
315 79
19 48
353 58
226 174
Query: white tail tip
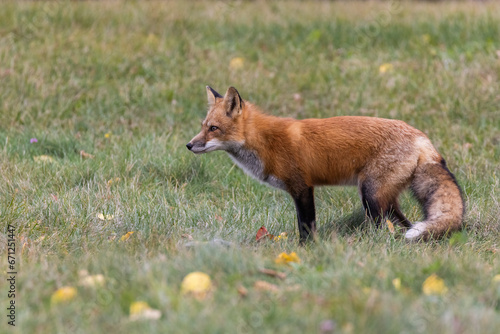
416 231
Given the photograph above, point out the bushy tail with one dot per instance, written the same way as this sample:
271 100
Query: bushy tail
436 188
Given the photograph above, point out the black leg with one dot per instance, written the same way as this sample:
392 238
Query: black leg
371 205
400 217
304 202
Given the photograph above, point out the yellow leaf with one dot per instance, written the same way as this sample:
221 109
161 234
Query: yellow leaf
92 280
44 158
152 39
386 67
285 258
496 278
434 285
390 226
111 181
197 284
282 236
105 217
126 236
397 284
366 290
141 310
236 63
63 295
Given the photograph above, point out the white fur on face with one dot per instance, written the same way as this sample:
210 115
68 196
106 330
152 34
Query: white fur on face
212 145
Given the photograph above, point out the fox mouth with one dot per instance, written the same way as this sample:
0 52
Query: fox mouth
201 150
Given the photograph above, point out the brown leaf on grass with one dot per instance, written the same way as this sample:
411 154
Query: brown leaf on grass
242 291
295 287
262 234
186 236
272 273
86 155
265 286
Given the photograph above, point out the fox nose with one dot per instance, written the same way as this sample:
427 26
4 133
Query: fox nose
189 146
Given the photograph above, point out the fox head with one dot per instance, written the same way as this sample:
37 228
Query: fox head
222 128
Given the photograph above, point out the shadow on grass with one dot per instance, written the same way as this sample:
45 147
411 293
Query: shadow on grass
346 225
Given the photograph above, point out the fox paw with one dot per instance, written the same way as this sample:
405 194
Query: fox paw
416 231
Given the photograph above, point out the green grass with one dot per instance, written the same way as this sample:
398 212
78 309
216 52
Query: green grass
70 73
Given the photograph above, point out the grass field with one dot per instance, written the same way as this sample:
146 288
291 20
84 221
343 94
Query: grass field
125 83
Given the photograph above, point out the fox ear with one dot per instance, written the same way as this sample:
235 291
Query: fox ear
233 102
212 95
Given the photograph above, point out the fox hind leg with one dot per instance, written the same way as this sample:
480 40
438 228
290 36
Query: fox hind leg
373 207
380 203
398 215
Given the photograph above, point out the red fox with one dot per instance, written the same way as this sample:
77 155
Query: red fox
380 156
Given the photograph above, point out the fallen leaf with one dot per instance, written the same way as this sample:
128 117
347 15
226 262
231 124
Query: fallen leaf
236 63
295 287
40 239
63 295
496 278
281 237
86 155
126 236
390 226
434 285
385 68
265 286
242 291
152 39
262 233
142 311
111 181
187 236
44 158
285 258
272 273
105 217
54 197
397 284
197 284
92 280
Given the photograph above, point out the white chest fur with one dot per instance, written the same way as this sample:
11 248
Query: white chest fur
251 164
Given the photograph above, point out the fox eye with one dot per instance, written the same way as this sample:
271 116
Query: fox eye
213 128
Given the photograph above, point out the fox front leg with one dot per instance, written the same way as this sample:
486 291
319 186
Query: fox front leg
306 214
